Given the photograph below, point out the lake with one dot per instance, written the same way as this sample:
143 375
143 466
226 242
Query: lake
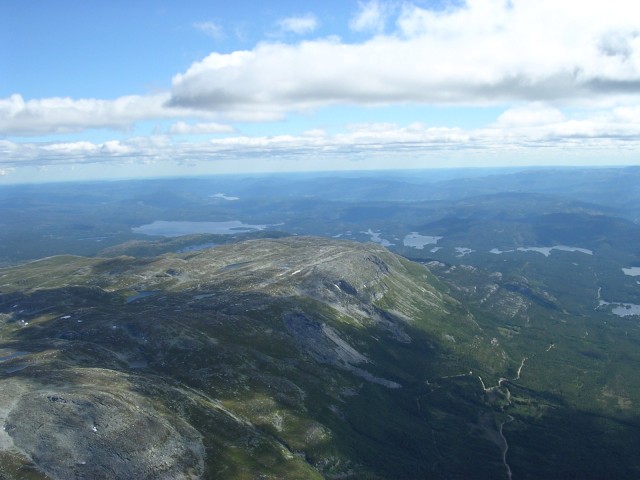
224 197
626 309
622 309
546 251
632 271
165 228
375 237
417 241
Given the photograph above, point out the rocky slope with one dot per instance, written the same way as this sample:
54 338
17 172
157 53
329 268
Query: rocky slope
272 358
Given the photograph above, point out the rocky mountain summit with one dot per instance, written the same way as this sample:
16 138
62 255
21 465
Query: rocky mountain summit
283 358
279 358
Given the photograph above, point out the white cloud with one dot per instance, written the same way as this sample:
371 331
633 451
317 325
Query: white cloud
540 126
299 24
630 114
115 147
211 29
182 128
524 129
371 17
539 55
528 115
67 115
483 52
72 148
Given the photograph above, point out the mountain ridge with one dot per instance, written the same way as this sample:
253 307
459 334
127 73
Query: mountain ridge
297 357
286 312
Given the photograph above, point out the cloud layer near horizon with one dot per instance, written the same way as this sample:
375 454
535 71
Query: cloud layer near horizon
532 127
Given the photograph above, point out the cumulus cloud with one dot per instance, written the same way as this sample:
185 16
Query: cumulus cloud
478 53
72 148
630 114
182 128
529 115
115 147
537 125
299 24
66 115
539 55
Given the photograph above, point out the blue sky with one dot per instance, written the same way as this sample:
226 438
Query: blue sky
132 89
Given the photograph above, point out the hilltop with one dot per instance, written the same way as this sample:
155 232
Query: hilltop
294 357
